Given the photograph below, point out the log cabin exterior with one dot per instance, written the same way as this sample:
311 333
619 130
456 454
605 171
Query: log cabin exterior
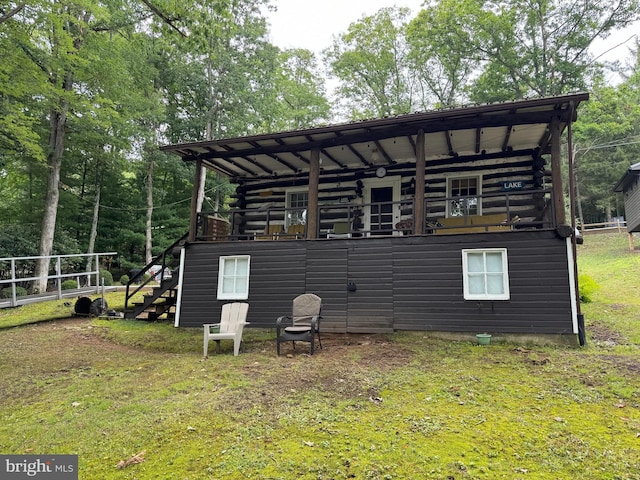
446 221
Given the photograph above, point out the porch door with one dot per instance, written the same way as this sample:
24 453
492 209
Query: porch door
326 276
370 300
382 211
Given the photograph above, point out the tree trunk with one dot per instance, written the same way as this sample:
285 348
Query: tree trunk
203 178
577 192
57 124
209 131
57 131
94 230
149 240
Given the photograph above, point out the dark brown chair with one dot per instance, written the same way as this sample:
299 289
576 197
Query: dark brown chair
304 323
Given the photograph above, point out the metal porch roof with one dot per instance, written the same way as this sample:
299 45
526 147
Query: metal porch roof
449 133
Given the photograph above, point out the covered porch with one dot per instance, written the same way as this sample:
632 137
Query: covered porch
486 168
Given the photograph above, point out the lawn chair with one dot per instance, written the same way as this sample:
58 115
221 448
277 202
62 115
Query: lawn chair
295 231
340 230
271 233
304 323
232 321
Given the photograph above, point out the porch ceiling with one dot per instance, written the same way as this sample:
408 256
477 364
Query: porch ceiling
506 127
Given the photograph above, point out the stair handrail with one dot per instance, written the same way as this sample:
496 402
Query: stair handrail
155 261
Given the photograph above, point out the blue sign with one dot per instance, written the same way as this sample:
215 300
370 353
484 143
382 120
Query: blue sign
513 185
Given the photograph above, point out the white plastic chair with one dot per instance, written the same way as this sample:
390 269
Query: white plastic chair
232 321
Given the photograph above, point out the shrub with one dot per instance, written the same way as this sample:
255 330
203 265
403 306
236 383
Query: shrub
124 279
587 288
107 277
7 292
69 285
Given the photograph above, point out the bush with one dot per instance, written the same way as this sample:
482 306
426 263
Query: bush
124 279
588 286
7 292
107 277
69 284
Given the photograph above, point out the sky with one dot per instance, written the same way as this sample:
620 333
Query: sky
311 24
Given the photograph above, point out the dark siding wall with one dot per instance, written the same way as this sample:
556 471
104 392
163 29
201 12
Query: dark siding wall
277 276
632 206
403 283
326 277
428 286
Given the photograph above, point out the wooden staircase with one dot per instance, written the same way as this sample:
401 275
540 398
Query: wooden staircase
158 301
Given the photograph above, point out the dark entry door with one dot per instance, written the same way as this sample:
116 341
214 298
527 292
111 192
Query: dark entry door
370 300
381 213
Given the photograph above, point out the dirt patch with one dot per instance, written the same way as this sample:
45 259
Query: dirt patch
623 363
602 334
348 367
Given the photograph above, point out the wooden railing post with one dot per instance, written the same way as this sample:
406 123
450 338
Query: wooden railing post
419 207
312 204
197 178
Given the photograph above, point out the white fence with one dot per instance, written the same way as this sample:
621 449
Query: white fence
613 224
87 280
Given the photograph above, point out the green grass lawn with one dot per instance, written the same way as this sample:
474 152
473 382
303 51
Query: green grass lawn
402 406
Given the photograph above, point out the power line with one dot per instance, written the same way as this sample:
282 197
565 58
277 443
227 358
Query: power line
142 209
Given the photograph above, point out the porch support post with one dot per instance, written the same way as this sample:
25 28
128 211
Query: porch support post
314 181
556 174
197 178
418 225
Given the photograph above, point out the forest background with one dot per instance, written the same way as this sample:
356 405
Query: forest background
89 89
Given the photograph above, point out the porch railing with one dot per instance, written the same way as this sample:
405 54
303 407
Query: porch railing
518 209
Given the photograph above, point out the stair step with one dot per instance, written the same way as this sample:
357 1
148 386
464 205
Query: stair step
161 299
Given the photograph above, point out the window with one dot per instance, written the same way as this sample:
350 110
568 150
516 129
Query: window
468 188
297 202
233 278
485 274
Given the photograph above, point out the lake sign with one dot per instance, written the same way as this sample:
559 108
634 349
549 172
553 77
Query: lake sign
512 185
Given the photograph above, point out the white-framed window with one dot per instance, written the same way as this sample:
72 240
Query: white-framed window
468 190
485 274
296 204
233 277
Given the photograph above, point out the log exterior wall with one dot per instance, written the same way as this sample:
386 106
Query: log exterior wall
343 187
397 283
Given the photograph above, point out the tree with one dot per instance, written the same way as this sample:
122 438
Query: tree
298 92
439 54
7 14
607 141
541 47
370 61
